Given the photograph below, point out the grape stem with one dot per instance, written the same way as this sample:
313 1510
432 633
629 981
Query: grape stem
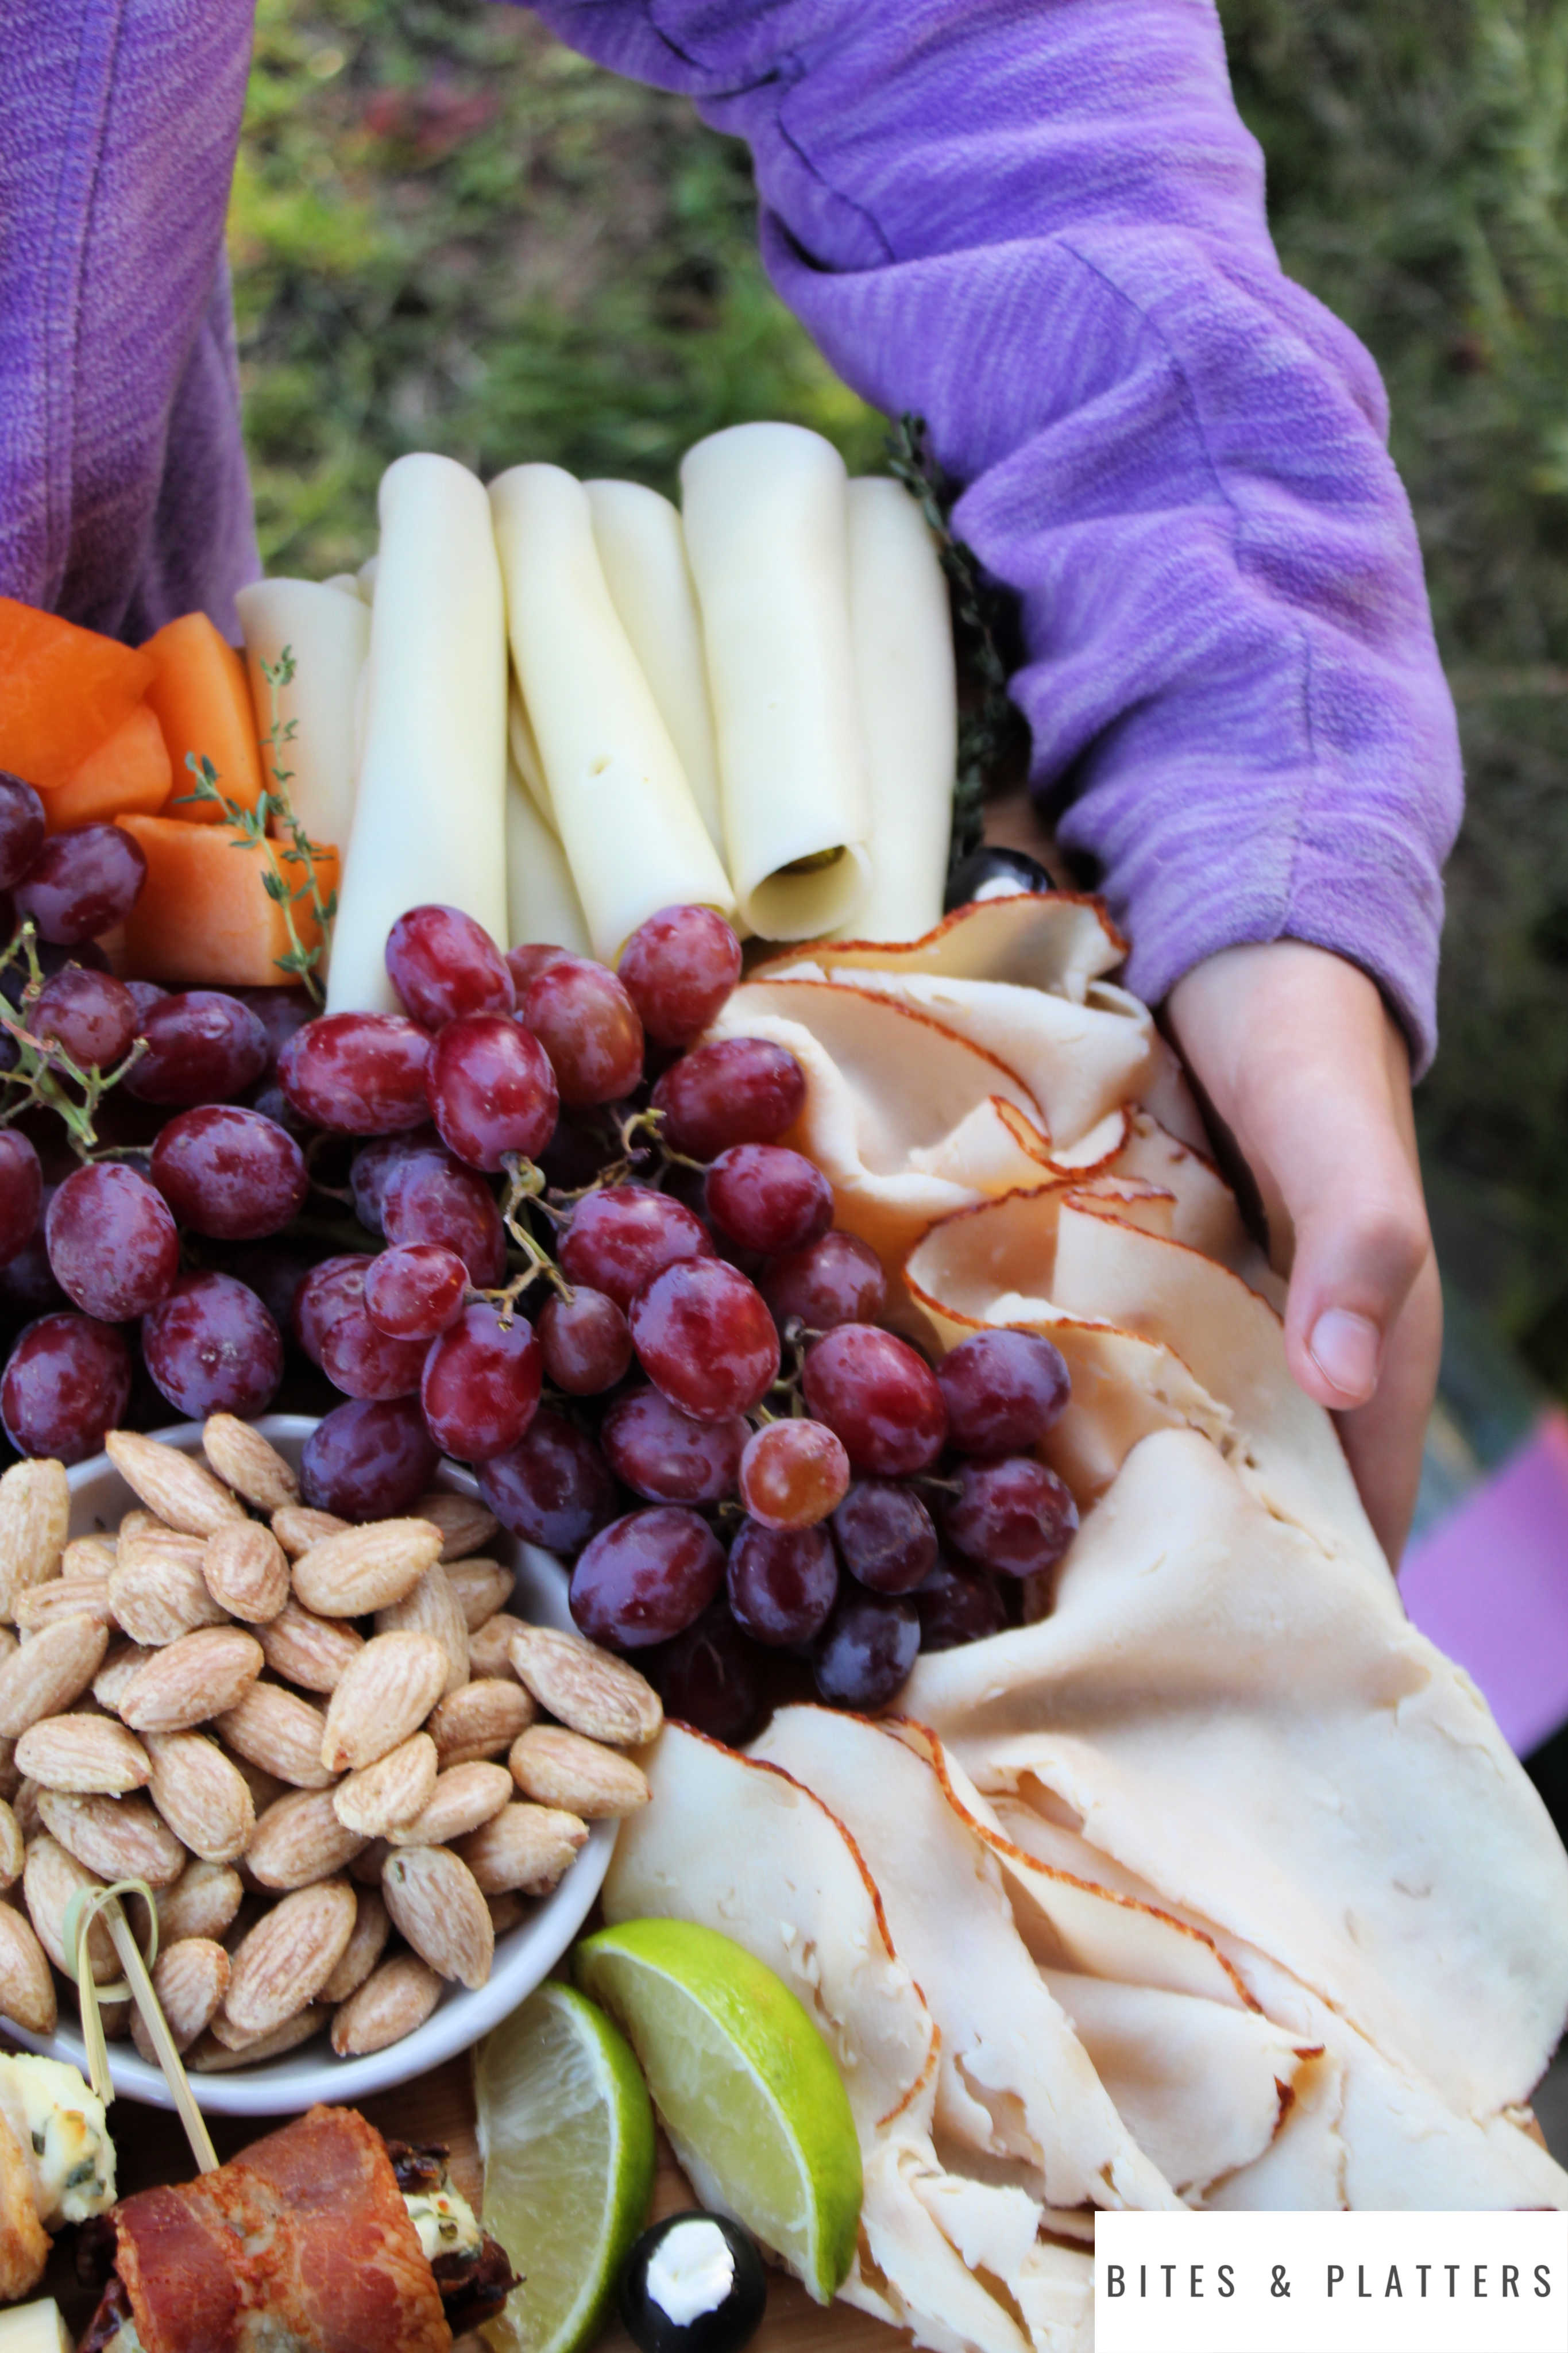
525 1182
44 1072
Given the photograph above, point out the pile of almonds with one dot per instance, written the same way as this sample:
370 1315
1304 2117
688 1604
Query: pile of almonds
319 1744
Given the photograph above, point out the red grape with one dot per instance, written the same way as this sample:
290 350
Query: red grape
881 1398
22 1189
281 1012
588 1025
113 1245
27 1285
202 1047
375 1162
492 1090
276 1277
332 1287
90 1014
21 828
767 1197
735 1091
358 1073
586 1341
835 1280
663 1454
782 1583
67 1382
212 1347
145 995
368 1460
430 1197
706 1677
620 1239
959 1606
15 977
552 1488
82 881
792 1475
677 968
231 1174
1004 1390
705 1338
645 1578
866 1652
885 1536
415 1290
1014 1515
481 1385
442 964
357 1356
525 963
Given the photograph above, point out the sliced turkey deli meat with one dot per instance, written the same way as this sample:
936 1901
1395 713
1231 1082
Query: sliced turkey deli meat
541 896
765 511
328 634
305 2240
643 550
906 685
430 816
622 805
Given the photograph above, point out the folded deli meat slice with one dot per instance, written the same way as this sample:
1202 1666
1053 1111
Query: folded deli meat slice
1249 1723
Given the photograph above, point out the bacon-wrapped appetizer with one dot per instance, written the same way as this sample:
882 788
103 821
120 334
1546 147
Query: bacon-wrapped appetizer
309 2240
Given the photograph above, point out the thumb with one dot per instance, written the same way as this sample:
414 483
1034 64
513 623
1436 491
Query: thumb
1362 1238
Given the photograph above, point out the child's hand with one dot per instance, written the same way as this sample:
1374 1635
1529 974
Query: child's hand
1306 1075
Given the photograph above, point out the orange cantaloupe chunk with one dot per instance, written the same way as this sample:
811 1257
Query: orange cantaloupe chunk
203 919
128 775
62 690
202 697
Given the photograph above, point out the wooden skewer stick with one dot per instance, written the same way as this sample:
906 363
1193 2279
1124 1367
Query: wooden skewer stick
94 1902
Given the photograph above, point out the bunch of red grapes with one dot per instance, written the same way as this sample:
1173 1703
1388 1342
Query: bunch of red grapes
532 1223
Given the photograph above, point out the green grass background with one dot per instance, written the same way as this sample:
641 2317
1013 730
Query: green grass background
447 232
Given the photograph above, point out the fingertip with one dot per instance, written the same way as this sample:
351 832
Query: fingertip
1346 1350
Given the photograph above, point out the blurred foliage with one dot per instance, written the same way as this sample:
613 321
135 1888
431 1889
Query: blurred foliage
448 232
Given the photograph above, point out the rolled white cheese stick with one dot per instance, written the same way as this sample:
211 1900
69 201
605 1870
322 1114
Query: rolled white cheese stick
430 818
364 578
643 551
627 820
347 583
522 748
765 517
329 636
541 896
907 687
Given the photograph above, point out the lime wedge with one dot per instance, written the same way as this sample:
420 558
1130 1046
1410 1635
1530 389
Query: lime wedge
566 2136
744 2084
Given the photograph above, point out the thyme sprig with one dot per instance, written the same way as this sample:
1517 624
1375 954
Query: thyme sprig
43 1073
993 740
253 829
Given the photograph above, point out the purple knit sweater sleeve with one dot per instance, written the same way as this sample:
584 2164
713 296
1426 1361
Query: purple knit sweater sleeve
1040 223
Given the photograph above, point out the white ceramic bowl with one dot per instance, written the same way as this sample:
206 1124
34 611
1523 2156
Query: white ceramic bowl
99 1497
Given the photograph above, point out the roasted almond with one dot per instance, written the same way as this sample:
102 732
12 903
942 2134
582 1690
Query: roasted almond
287 1958
483 1719
507 1912
586 1689
88 1557
190 1978
299 1841
34 1513
435 1905
24 1803
201 1794
120 1665
482 1586
556 1768
306 1650
523 1850
26 1986
211 2057
180 1490
50 1671
265 1788
49 1879
118 1838
464 1797
204 1900
364 1948
394 2001
365 1868
83 1755
490 1646
13 1852
247 1571
156 1588
384 1696
63 1597
280 1732
367 1568
379 1797
432 1608
245 1462
201 1675
297 1527
464 1522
